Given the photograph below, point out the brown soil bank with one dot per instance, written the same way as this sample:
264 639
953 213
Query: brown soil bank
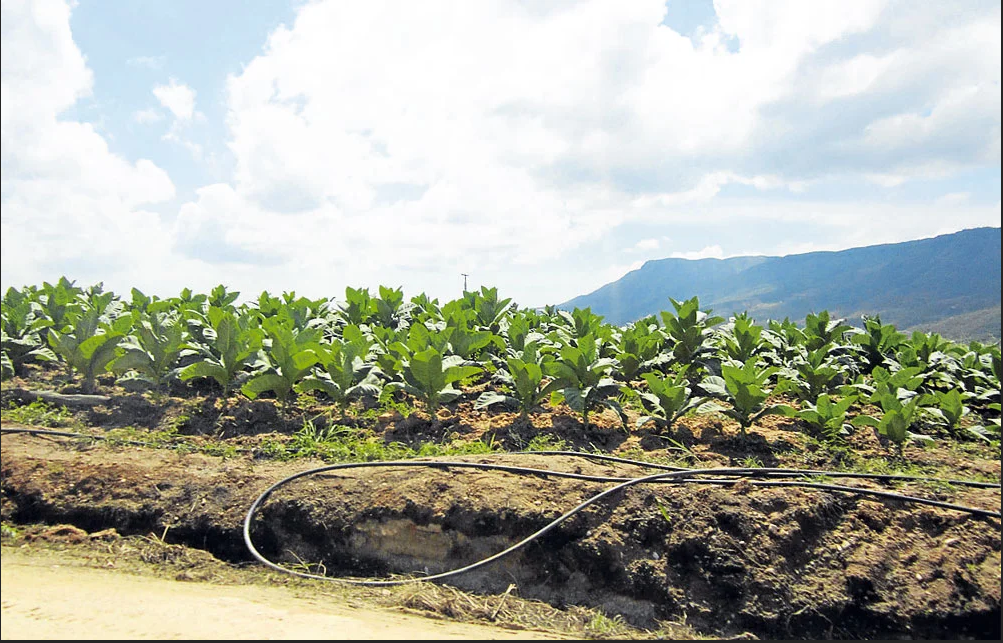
777 562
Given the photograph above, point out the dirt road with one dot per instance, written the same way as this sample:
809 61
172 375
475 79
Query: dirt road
46 597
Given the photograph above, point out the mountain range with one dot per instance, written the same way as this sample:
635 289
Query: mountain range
949 284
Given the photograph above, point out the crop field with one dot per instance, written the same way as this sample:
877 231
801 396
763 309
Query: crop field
693 473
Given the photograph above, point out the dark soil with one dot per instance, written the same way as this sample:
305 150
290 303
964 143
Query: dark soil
774 562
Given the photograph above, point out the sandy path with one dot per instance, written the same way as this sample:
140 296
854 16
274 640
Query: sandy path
42 599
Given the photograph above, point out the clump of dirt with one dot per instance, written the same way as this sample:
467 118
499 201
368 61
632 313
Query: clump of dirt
776 562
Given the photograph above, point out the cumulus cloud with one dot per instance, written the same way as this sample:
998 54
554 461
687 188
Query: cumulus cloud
646 245
178 98
70 206
512 111
148 115
709 252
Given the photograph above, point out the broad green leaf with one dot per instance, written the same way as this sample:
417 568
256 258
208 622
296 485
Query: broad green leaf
265 382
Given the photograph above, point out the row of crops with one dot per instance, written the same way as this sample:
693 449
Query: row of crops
831 376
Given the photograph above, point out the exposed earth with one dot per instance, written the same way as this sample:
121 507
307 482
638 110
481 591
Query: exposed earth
78 592
680 560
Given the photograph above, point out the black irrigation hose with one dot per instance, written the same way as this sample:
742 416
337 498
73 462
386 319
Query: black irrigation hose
774 472
669 475
67 434
674 477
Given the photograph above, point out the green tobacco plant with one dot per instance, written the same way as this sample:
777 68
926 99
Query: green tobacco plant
690 331
582 379
923 348
902 383
108 305
666 400
395 348
878 342
826 418
976 369
346 374
425 308
741 340
22 328
896 421
391 309
302 311
519 330
464 337
639 349
221 297
785 338
993 427
524 377
811 373
821 330
193 309
191 301
150 354
488 309
429 377
947 409
357 307
385 344
291 354
143 303
89 344
60 302
233 344
745 389
580 322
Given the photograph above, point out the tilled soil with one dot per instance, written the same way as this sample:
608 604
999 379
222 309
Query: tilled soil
776 562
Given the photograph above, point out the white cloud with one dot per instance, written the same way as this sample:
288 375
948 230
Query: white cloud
708 252
178 98
148 115
70 206
953 198
710 185
150 62
646 245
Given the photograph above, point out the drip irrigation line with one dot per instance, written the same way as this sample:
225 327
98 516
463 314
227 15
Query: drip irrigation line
672 477
775 471
86 436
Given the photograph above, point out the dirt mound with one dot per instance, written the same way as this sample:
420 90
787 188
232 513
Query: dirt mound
777 562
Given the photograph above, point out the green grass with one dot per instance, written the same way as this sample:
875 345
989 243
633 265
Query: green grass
40 413
601 626
339 443
546 442
8 532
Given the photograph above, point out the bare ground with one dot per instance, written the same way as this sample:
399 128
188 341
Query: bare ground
81 592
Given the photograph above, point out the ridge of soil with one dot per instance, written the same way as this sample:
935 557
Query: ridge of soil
725 561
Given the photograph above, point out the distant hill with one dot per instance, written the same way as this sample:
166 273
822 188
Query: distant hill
948 284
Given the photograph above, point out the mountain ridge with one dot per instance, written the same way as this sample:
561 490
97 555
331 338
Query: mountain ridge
913 284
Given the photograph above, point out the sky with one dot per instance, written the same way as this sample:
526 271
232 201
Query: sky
544 148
